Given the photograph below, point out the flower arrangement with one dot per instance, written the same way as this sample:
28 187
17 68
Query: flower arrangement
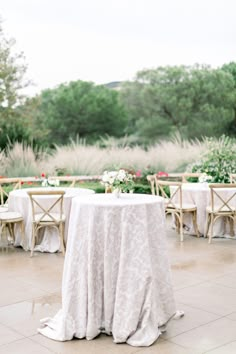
118 180
205 178
218 160
49 182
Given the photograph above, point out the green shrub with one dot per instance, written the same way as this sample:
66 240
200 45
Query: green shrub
142 189
219 160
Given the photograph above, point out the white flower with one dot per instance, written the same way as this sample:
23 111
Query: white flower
44 183
204 178
121 176
118 179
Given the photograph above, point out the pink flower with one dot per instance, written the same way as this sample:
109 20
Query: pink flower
138 173
43 175
162 174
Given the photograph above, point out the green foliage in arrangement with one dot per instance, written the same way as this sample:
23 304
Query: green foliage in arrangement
219 160
78 109
191 101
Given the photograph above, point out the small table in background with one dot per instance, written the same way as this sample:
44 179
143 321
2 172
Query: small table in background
48 237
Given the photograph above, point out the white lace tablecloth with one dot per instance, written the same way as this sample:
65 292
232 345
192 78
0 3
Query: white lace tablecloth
116 275
199 194
48 238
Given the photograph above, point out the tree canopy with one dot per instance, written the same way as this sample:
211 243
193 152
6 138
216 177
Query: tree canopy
78 109
12 80
193 101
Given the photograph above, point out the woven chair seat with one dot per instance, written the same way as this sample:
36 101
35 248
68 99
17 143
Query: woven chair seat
3 209
222 210
185 206
10 215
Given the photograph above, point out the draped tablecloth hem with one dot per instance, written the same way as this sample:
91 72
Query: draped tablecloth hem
61 329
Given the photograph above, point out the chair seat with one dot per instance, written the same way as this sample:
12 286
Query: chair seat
222 210
47 219
11 216
3 209
185 206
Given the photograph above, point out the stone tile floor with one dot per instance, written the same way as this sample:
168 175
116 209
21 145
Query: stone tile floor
204 279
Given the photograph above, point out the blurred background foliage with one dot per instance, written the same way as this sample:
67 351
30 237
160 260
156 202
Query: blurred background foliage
190 101
160 121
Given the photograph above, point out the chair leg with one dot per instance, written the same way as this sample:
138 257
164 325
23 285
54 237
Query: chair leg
207 225
177 224
9 227
211 228
3 226
194 216
181 227
61 235
22 233
231 225
34 230
12 225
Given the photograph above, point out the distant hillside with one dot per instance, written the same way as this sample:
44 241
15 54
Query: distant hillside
115 85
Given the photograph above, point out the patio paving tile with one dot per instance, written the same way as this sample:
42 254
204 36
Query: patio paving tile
24 317
210 297
193 318
205 288
24 346
8 335
208 336
229 348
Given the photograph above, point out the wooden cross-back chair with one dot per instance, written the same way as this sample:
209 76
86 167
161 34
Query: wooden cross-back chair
222 204
52 215
172 194
5 183
152 179
8 220
232 177
187 175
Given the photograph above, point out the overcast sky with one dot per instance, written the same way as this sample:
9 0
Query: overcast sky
110 40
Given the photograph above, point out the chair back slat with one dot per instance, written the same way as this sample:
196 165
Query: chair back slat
187 175
38 206
5 183
173 198
152 179
221 200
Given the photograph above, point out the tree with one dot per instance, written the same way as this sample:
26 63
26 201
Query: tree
12 72
231 69
79 109
193 101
